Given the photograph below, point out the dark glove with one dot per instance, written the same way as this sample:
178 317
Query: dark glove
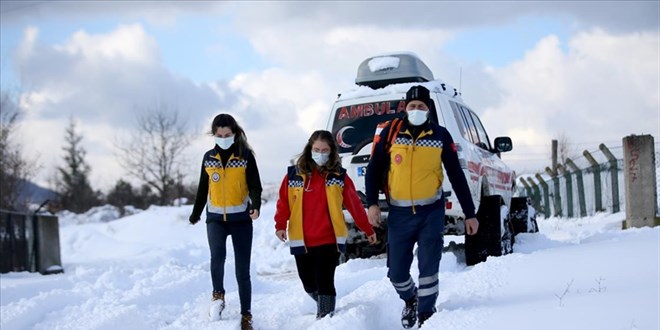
193 220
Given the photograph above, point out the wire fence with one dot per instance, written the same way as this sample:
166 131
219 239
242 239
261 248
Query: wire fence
584 186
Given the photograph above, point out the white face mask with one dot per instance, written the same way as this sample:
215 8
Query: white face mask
417 117
224 143
320 157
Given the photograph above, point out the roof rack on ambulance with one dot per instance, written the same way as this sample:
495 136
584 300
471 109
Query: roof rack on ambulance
382 70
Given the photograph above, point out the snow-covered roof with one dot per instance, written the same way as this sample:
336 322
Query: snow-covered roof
438 86
395 73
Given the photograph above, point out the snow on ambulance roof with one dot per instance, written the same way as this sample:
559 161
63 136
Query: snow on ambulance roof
395 73
437 86
383 63
382 70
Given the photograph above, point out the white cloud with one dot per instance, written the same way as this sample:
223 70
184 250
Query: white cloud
26 48
600 88
127 42
101 80
279 110
617 15
604 87
283 98
281 106
337 50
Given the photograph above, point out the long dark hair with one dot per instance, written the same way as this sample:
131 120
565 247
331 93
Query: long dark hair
240 139
305 162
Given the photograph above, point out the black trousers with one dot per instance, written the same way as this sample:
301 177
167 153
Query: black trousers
316 269
241 233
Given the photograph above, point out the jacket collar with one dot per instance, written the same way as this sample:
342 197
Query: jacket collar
416 131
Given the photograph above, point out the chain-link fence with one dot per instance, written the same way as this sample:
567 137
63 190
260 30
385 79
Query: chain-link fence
591 183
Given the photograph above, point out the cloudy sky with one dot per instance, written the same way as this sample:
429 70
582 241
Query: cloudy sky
535 71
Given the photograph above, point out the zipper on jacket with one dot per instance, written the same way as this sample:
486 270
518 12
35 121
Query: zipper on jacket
412 153
224 190
412 158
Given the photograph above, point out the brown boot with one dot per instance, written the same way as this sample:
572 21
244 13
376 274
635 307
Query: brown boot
246 321
217 306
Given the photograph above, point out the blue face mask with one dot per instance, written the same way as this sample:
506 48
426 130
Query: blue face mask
320 157
417 117
224 143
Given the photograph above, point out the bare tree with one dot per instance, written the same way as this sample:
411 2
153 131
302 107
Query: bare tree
15 169
154 152
564 148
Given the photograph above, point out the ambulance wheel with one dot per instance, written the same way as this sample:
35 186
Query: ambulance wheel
495 234
523 216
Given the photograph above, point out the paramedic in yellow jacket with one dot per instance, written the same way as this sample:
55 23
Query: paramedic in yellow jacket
413 168
230 187
312 195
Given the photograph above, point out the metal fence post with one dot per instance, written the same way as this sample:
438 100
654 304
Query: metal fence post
598 194
580 183
569 190
546 197
557 194
614 172
528 190
536 196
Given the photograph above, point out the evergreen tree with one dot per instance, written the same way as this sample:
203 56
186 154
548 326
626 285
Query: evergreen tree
122 195
76 193
146 197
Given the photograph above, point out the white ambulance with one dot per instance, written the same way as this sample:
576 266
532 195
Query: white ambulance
382 82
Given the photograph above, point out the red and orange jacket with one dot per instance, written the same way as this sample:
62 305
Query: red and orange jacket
312 206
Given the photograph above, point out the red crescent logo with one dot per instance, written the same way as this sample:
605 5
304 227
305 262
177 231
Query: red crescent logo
340 137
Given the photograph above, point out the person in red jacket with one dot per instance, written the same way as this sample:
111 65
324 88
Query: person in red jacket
310 200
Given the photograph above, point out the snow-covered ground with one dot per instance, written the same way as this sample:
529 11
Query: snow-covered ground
150 271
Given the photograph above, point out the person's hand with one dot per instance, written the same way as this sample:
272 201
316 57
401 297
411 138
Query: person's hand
281 234
471 226
374 215
193 220
372 239
254 214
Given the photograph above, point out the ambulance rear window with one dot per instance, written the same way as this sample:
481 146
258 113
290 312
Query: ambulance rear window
354 125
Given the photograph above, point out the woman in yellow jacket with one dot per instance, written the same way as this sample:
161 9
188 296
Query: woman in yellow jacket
230 187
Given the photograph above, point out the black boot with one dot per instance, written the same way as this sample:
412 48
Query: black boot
423 317
409 313
325 306
314 295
